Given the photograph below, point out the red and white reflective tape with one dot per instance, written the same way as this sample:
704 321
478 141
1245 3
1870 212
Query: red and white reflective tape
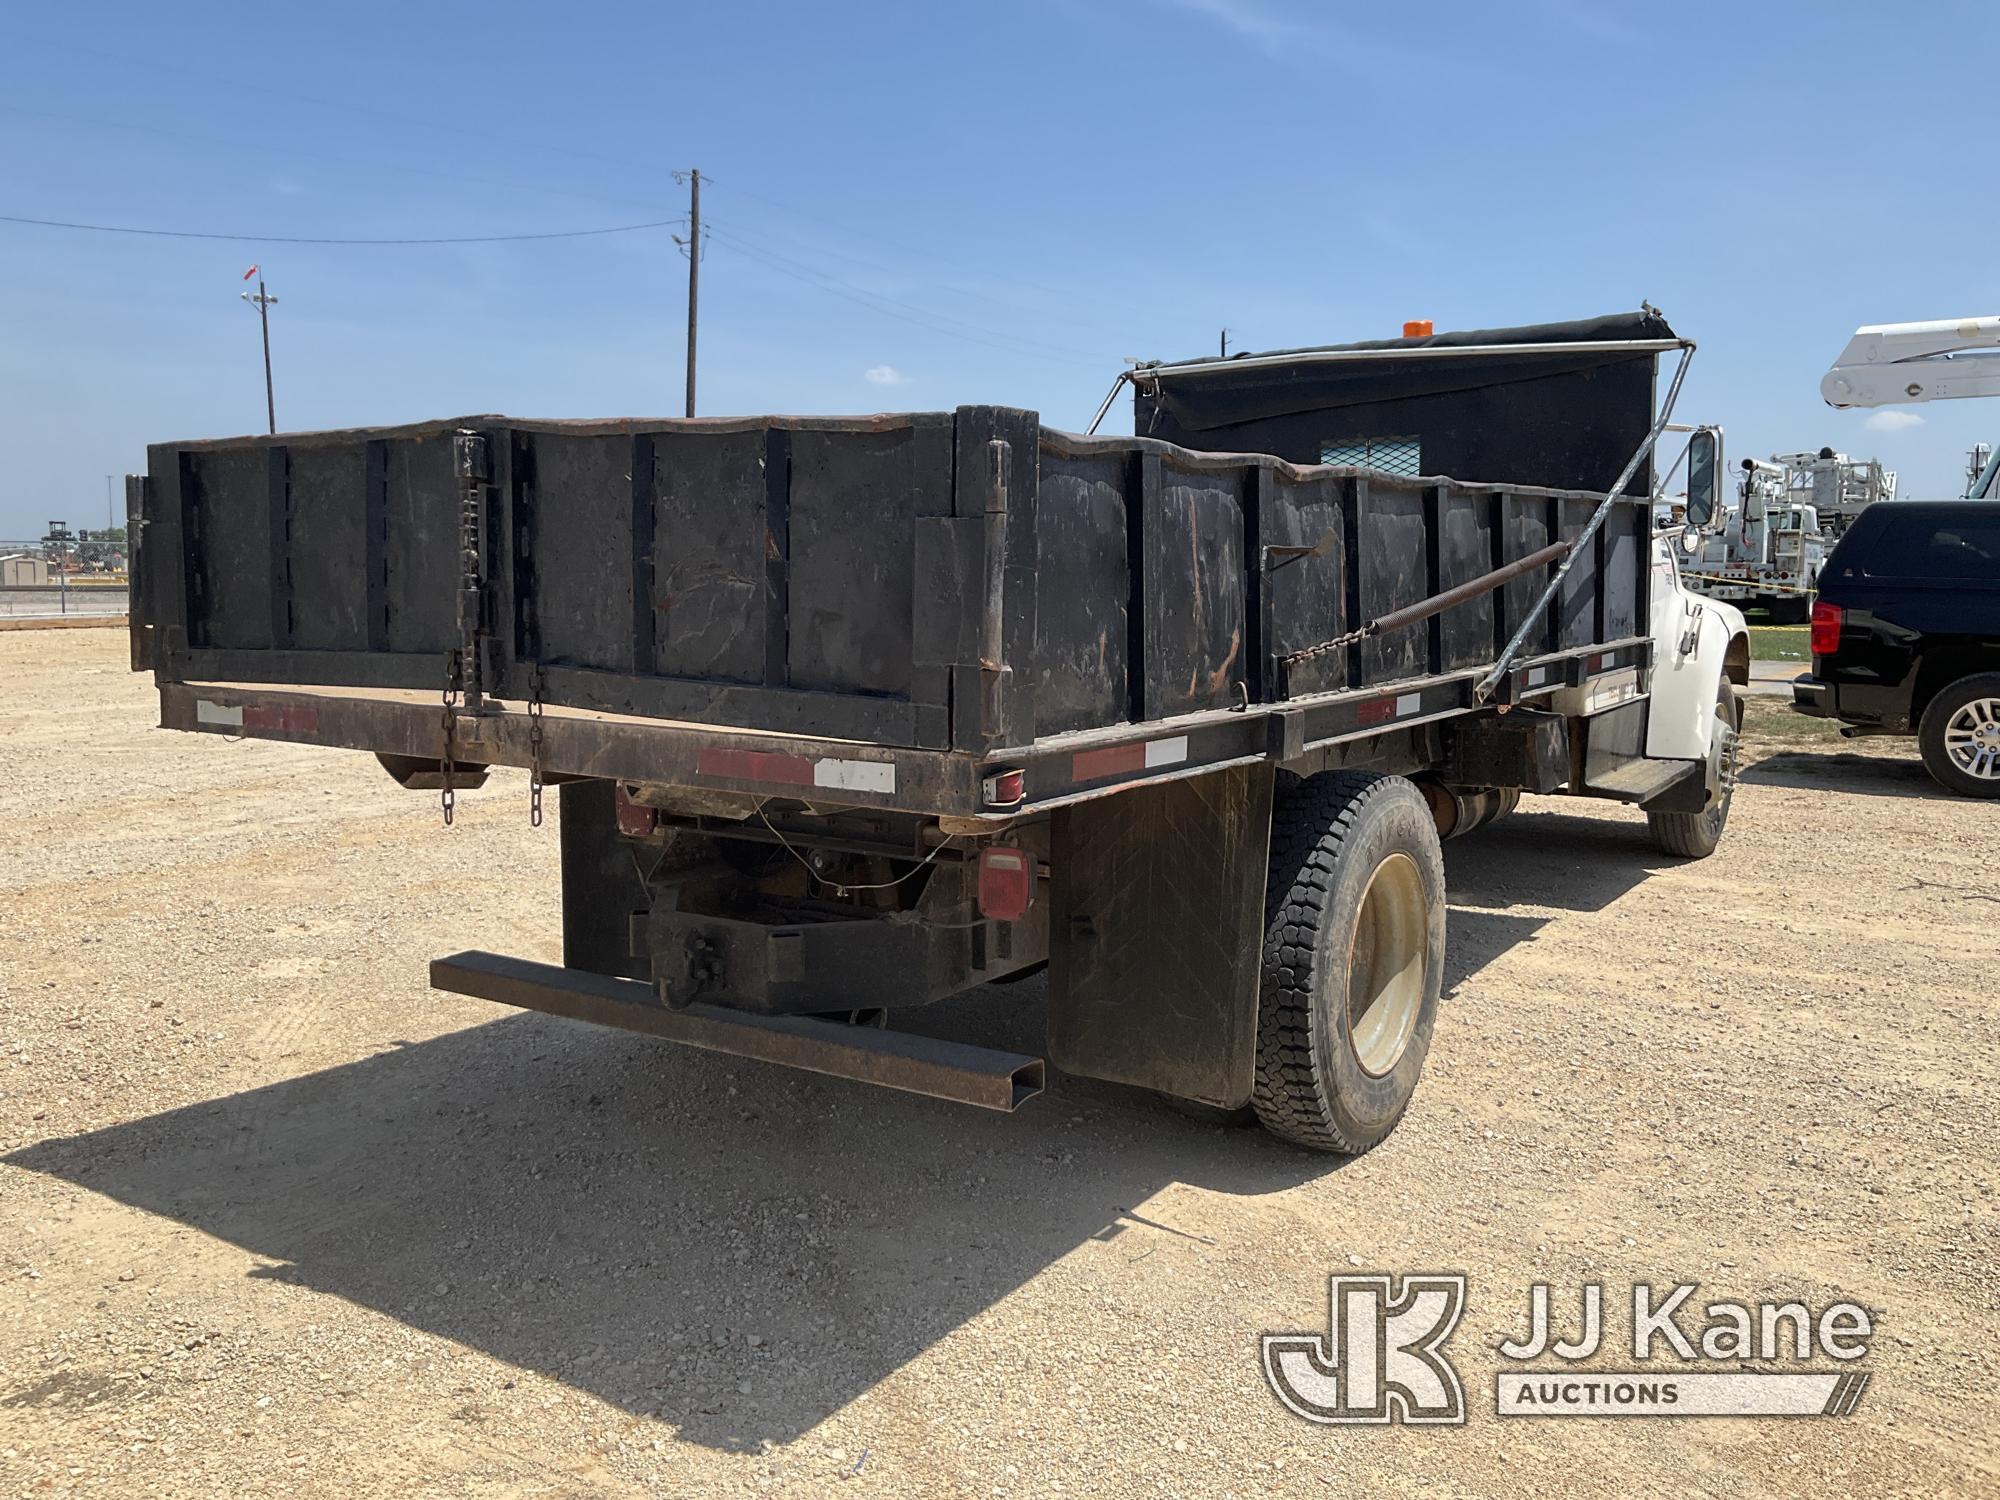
1122 760
796 770
1382 710
233 716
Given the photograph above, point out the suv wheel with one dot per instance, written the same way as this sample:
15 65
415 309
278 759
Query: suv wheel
1960 736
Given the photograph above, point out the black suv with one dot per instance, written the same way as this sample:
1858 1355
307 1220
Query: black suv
1906 635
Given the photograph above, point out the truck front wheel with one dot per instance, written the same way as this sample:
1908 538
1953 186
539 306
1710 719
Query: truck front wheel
1694 835
1353 958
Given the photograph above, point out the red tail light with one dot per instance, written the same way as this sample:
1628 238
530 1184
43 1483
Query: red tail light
1825 628
1004 788
635 820
1006 882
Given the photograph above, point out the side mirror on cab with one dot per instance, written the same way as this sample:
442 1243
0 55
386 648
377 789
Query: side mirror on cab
1704 493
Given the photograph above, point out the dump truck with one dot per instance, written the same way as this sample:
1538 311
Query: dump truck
848 716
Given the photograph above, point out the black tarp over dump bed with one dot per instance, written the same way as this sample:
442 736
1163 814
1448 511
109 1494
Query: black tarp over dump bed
960 581
1567 419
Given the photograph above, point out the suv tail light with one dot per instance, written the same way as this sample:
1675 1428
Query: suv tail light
1825 628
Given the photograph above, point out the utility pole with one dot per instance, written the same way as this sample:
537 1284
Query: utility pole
692 245
263 305
58 541
1225 343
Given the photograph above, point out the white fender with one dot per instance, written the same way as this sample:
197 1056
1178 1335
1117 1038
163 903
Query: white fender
1691 638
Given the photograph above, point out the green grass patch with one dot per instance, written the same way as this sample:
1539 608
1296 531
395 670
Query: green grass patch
1769 717
1780 643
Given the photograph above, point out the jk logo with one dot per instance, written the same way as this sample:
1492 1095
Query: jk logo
1379 1360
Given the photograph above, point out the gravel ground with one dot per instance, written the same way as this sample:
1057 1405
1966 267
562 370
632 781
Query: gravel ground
277 1220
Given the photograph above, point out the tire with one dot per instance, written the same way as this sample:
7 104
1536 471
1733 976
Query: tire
1694 835
1355 906
1959 736
1790 611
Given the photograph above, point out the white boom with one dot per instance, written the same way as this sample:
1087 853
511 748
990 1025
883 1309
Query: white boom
1892 364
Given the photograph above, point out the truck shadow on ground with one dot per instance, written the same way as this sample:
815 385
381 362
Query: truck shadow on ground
1535 859
740 1249
1870 775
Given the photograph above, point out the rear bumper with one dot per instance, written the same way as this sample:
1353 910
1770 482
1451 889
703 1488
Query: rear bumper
1865 708
917 1064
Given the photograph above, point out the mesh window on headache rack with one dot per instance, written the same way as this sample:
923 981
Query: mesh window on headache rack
1393 455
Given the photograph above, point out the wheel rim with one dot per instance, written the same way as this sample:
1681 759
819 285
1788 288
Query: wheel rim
1385 965
1725 781
1972 738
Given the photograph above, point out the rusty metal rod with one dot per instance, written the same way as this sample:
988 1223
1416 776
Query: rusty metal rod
1423 609
1472 588
1437 604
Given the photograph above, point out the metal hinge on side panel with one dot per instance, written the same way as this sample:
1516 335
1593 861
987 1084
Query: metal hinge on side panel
993 668
470 462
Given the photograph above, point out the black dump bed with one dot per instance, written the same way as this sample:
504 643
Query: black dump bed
953 589
836 578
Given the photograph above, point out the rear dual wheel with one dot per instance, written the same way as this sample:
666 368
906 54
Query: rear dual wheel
1353 958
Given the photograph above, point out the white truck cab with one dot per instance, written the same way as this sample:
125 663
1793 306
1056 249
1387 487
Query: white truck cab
1701 646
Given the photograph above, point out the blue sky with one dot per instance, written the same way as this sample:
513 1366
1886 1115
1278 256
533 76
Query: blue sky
916 206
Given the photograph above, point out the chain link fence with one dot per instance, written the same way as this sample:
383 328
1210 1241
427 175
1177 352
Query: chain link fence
36 582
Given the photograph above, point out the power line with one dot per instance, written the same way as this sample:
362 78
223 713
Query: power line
1039 305
1041 291
289 239
797 270
906 312
289 152
745 244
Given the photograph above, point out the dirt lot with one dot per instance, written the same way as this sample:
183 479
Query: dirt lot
275 1219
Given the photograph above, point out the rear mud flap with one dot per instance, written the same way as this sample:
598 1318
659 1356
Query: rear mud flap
1157 935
